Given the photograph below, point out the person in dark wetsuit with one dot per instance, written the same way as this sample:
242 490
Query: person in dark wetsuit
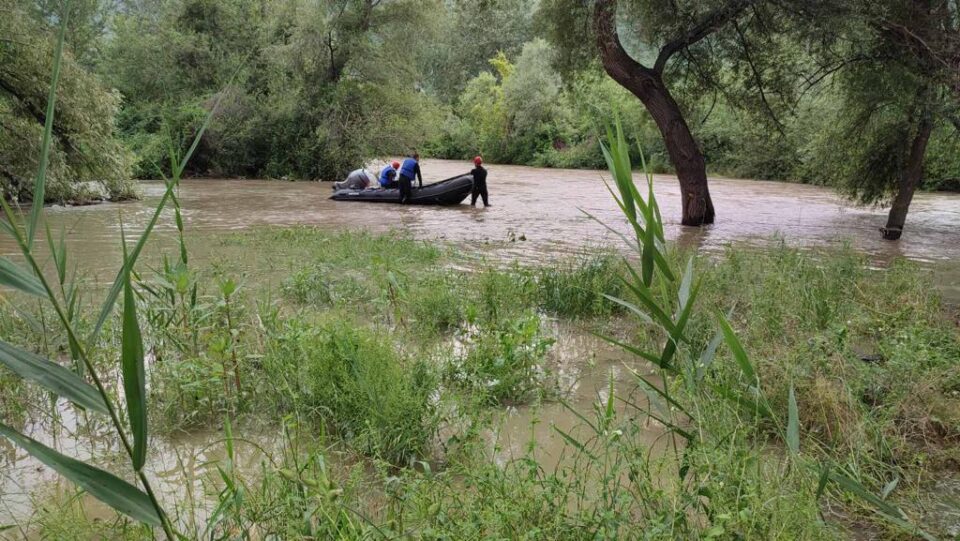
479 183
388 176
409 169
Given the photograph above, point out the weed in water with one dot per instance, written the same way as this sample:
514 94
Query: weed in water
355 381
577 288
503 361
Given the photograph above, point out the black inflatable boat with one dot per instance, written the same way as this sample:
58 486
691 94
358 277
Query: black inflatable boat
446 192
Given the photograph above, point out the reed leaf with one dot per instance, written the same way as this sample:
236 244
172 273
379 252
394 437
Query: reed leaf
793 423
730 337
107 308
134 378
631 349
16 277
709 354
106 487
39 186
630 306
51 376
574 442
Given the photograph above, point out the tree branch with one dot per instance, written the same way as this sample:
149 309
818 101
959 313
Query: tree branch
616 60
709 24
758 80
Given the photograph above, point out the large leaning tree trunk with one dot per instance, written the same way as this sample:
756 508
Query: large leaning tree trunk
646 83
909 179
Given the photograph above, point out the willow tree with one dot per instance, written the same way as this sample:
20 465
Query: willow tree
84 143
657 48
896 66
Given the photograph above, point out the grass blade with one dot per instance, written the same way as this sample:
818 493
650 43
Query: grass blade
573 441
627 347
660 392
117 287
51 376
891 512
39 187
106 487
677 335
14 276
736 348
134 378
632 307
754 407
793 423
890 487
684 293
706 358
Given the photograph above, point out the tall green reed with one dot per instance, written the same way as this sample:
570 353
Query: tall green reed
663 297
139 503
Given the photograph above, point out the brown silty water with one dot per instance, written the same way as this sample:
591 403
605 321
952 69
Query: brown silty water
536 214
543 207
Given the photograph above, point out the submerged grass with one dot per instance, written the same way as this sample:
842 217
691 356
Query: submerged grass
831 370
867 352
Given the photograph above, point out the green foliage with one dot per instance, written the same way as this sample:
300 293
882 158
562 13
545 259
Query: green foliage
579 288
469 34
524 113
315 89
84 142
355 382
503 361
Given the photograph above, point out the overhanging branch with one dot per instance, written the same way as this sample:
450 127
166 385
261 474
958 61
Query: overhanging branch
710 23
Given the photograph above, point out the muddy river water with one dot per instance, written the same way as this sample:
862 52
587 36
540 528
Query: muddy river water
535 214
545 207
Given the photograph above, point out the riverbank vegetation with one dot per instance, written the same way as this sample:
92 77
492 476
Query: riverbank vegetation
400 364
782 394
313 89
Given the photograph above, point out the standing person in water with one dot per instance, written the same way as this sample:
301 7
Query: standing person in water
409 170
479 183
388 176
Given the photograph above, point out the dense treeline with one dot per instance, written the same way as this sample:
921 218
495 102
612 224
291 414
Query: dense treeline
313 88
84 146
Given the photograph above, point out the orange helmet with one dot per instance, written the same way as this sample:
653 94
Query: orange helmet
395 165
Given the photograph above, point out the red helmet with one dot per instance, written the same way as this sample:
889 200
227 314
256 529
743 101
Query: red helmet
477 161
395 165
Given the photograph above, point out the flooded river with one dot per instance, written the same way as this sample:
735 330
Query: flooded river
536 214
543 207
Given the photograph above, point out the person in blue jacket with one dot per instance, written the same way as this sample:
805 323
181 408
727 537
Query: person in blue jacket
388 176
409 169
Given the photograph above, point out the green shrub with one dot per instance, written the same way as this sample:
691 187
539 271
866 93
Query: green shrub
324 287
189 393
502 294
503 362
577 288
356 382
437 304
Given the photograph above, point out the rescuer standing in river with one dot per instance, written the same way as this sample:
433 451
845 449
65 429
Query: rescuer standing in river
479 183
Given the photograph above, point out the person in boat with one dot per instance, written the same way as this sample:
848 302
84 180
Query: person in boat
388 176
358 179
409 170
479 183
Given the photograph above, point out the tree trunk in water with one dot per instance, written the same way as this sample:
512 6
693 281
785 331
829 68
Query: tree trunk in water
684 152
647 85
909 180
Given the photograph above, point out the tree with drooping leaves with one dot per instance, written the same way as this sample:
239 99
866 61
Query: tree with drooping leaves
895 65
85 146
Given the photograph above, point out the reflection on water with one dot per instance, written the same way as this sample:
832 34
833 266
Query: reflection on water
543 206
